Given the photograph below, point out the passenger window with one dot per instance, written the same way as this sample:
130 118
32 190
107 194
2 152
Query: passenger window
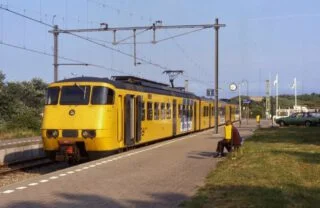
205 111
184 110
163 111
180 111
149 110
168 111
156 111
143 112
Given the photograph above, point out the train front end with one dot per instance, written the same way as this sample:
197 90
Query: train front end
79 120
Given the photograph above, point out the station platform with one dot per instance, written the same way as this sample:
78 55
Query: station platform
17 150
159 175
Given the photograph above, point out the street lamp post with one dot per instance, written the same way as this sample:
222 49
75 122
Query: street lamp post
247 109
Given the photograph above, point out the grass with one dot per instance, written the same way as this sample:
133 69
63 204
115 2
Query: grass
280 167
17 133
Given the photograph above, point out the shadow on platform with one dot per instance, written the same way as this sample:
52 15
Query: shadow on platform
64 200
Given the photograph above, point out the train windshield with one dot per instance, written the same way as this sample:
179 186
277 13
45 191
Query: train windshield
52 95
75 95
102 96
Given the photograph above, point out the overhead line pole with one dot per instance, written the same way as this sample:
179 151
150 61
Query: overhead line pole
216 27
55 52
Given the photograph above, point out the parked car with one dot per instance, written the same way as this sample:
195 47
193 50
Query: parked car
305 118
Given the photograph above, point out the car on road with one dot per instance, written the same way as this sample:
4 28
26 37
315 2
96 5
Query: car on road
302 118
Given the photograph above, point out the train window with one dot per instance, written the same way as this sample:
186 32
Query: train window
149 111
156 111
188 111
191 111
180 111
143 112
163 111
222 111
204 111
168 111
102 96
184 110
75 95
52 95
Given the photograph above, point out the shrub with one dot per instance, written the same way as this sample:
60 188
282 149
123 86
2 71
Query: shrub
28 119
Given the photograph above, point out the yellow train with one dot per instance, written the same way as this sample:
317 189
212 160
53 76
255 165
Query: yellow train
91 117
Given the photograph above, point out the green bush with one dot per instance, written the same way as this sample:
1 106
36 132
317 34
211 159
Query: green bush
28 119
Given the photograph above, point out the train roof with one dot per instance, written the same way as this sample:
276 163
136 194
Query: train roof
135 84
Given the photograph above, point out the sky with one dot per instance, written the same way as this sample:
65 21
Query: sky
262 38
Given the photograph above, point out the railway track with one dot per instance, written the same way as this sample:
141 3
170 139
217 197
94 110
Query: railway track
37 162
28 169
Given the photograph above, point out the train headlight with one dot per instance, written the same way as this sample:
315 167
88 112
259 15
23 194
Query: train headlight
88 134
53 133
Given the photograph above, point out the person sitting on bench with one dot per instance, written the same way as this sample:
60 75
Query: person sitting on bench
231 139
226 142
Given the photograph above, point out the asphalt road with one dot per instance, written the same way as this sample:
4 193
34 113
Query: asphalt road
159 175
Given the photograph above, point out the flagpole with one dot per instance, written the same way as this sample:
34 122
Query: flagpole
277 94
295 91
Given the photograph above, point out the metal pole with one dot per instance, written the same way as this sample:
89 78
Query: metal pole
248 104
216 27
240 108
216 77
295 91
134 47
277 95
55 52
247 109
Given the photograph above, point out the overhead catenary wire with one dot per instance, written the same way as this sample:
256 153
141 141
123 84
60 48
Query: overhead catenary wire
131 36
25 16
197 65
103 45
179 35
62 57
84 38
119 51
49 16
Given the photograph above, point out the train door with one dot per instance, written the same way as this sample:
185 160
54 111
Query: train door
195 115
174 117
120 119
138 116
200 114
129 120
210 115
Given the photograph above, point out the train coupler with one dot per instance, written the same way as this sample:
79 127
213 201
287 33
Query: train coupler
69 152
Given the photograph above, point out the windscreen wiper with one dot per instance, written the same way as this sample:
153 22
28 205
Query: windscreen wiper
83 90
